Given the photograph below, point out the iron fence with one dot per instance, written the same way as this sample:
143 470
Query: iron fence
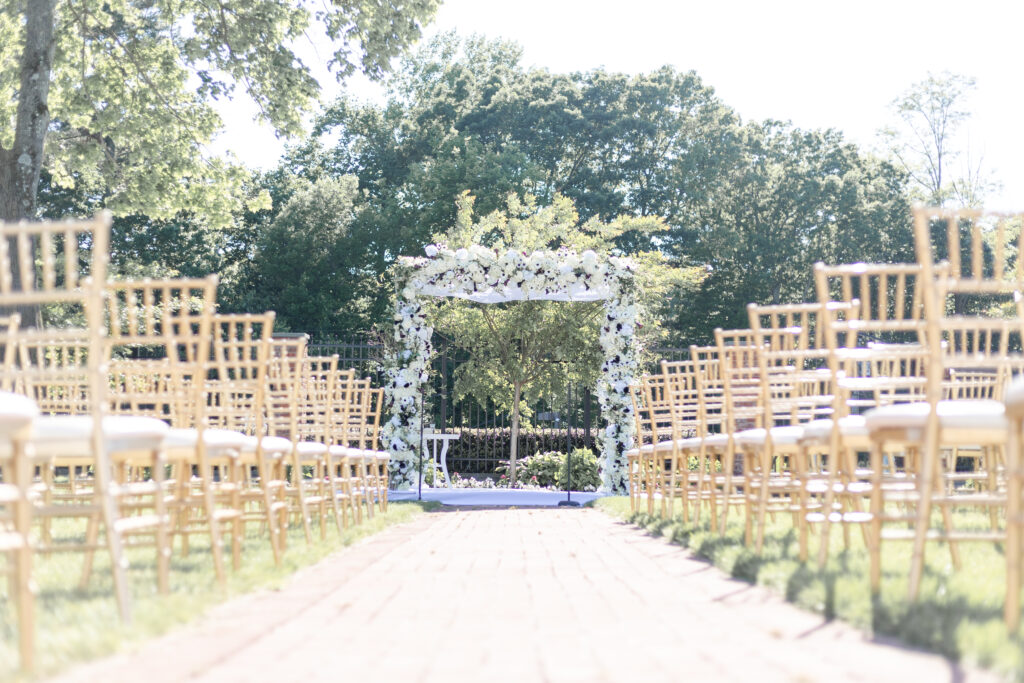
484 430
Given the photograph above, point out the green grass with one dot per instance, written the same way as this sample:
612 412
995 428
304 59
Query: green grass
958 614
76 625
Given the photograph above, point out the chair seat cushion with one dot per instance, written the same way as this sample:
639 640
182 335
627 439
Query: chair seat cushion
1014 396
310 449
218 439
70 436
964 414
16 411
780 435
821 430
667 446
270 444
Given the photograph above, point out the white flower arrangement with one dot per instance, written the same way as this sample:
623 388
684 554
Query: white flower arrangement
489 276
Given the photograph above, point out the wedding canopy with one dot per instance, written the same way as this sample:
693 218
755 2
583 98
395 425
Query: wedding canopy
490 276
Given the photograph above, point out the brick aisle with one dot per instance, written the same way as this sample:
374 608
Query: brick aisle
516 595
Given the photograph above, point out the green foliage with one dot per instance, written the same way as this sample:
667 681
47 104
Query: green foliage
298 256
745 210
548 469
794 198
132 85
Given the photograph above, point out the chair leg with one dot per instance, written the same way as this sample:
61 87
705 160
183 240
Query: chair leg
877 503
118 563
22 588
926 486
163 544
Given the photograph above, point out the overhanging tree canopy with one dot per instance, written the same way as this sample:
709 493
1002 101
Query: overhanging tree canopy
492 276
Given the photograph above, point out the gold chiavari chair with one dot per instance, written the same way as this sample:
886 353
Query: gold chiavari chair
16 415
960 333
364 435
287 380
159 334
654 451
795 390
633 469
741 390
61 268
316 424
252 479
710 417
875 358
679 379
347 467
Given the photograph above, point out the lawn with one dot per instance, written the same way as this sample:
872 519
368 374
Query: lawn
76 624
959 614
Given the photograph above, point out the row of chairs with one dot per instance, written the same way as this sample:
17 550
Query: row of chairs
137 411
885 406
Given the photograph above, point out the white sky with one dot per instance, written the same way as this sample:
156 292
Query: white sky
818 63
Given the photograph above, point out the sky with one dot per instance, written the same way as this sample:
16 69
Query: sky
819 64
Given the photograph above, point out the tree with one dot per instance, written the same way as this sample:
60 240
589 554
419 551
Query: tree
464 115
298 256
924 141
794 197
116 97
521 351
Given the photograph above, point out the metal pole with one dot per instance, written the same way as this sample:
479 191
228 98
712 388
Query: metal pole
568 502
419 480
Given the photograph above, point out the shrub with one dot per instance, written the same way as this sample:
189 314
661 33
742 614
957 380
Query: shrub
548 469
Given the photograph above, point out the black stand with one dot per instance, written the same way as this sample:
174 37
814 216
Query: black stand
568 502
419 480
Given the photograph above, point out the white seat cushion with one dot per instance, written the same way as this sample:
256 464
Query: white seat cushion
310 449
966 414
716 440
821 430
70 435
16 411
667 446
218 439
270 444
780 435
343 451
1014 396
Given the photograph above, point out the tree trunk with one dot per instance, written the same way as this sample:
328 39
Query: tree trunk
21 165
514 446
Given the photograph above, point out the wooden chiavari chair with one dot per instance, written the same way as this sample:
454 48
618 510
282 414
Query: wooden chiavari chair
710 418
739 368
16 415
64 264
252 483
159 334
286 406
679 379
795 390
348 470
960 333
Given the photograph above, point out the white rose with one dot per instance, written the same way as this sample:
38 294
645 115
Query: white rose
462 254
431 250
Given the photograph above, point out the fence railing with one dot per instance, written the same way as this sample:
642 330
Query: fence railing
485 431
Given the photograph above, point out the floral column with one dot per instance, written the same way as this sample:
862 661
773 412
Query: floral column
405 374
621 352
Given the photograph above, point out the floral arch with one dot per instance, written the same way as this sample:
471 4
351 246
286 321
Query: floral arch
488 276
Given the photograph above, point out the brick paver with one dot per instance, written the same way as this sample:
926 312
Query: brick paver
517 595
